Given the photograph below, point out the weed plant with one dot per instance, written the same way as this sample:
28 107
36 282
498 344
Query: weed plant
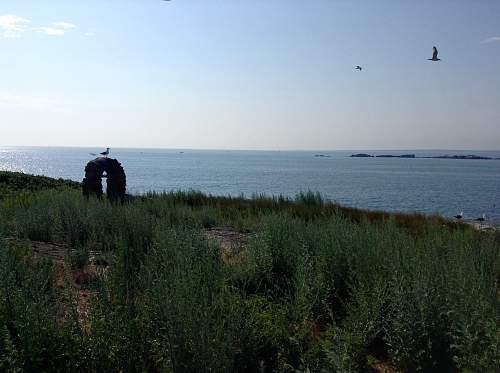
318 288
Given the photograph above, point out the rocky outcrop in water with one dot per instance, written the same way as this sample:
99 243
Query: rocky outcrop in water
362 155
396 156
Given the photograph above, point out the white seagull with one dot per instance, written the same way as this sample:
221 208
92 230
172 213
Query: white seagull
105 153
434 55
459 216
482 218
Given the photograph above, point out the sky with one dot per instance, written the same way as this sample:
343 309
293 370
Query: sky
250 74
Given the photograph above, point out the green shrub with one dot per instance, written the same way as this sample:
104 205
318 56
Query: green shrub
31 339
318 288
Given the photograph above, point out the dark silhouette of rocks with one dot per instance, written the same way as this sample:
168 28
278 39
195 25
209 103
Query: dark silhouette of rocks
362 155
116 179
470 156
396 156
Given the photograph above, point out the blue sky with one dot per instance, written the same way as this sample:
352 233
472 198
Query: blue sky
261 74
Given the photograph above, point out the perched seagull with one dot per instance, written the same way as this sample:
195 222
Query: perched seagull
434 55
358 68
459 216
105 153
482 218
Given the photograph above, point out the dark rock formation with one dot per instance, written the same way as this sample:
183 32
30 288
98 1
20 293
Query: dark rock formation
362 155
116 179
470 156
396 156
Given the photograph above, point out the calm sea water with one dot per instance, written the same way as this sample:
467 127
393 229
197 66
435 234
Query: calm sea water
423 185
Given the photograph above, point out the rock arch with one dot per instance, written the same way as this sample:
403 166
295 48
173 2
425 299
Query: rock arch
116 179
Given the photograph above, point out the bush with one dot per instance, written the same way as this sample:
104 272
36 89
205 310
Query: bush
31 339
318 287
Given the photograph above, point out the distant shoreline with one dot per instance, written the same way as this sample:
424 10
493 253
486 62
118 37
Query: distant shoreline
455 156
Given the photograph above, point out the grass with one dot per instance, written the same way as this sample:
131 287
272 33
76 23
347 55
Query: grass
17 181
319 287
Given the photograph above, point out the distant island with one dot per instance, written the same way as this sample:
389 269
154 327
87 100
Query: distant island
469 156
364 155
396 156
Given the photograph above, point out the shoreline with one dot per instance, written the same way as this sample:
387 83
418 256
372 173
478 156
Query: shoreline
413 156
16 181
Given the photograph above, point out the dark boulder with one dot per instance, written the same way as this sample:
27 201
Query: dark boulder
113 171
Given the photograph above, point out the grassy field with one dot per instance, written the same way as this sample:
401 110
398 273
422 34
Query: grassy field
314 288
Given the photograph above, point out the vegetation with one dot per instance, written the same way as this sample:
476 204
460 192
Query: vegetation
15 182
318 288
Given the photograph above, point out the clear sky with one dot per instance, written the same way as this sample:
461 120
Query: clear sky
250 74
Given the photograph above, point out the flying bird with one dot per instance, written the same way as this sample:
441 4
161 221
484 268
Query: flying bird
434 55
358 68
459 216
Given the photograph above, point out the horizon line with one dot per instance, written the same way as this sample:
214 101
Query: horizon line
252 149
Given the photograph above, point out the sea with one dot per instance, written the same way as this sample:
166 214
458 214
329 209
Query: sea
430 186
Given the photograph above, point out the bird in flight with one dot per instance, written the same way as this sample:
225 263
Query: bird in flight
359 68
459 216
434 55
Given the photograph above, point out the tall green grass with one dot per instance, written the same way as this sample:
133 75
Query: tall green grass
319 288
31 337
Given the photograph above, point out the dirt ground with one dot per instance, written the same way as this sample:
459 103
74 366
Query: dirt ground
231 242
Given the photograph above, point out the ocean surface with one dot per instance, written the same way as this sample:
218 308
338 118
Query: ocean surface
443 186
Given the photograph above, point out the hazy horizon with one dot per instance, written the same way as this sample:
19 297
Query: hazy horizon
228 75
252 149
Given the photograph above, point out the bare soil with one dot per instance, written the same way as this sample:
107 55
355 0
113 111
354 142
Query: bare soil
231 242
